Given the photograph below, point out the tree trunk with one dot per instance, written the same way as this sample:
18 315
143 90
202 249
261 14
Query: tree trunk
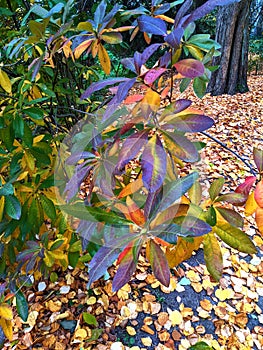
232 33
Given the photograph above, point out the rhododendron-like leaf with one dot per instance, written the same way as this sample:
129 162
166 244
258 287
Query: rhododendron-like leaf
191 122
246 186
231 216
216 188
153 199
100 85
191 226
153 164
213 256
233 198
175 107
148 52
258 158
190 68
174 38
174 190
153 74
235 238
180 146
130 148
152 25
127 266
159 264
204 9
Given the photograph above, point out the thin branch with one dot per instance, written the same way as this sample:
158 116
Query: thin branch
253 172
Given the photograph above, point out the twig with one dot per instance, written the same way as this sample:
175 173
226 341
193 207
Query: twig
253 172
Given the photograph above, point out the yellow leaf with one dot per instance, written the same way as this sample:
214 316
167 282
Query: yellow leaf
152 99
165 18
2 205
94 48
182 251
36 92
175 317
251 205
6 312
30 160
104 59
67 49
38 138
5 82
7 328
48 259
223 294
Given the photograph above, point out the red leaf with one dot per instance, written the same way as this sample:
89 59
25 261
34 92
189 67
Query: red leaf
159 264
259 194
246 186
258 158
190 68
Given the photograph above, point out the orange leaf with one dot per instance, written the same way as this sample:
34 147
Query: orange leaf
135 212
131 188
182 251
124 252
259 219
104 59
82 47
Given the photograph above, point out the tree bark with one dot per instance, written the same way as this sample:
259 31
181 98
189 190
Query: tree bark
232 33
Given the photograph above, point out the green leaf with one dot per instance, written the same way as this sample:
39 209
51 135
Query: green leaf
216 188
21 305
199 86
34 113
48 207
231 216
93 214
235 238
213 256
6 190
201 346
233 198
89 319
210 216
58 243
159 264
13 207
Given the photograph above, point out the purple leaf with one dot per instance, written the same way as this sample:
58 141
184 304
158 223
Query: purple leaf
159 264
72 186
2 288
191 122
75 157
153 74
162 9
128 63
101 261
99 13
174 38
174 190
180 146
203 10
138 61
100 85
110 16
153 164
190 68
123 89
149 51
152 200
35 66
126 267
86 230
130 148
258 158
182 11
191 226
233 198
176 107
165 59
152 25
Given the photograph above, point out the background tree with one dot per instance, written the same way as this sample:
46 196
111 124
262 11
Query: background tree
232 33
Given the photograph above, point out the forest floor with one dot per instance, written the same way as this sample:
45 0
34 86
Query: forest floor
146 315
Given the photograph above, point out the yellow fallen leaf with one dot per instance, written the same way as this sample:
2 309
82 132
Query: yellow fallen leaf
175 317
130 330
223 294
81 333
7 328
91 301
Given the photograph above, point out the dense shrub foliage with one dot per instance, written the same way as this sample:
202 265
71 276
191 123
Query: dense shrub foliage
129 148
